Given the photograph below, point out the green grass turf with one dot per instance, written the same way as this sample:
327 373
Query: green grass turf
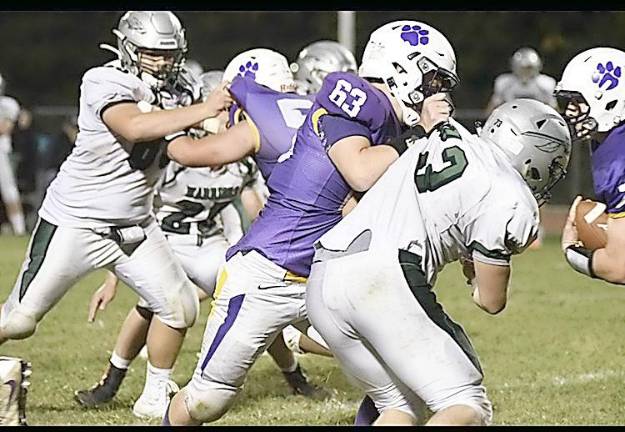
553 357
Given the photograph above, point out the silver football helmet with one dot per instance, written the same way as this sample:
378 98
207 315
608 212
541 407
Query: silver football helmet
151 45
210 81
526 64
535 139
320 58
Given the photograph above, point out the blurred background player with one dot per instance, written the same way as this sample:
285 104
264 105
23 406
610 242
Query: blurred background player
339 147
194 207
525 81
315 61
194 67
9 112
591 95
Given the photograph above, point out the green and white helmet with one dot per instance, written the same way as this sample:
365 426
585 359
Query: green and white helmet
157 33
320 58
535 139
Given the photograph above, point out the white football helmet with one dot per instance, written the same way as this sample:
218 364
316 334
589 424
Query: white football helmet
320 58
590 94
526 64
145 34
535 139
267 67
414 60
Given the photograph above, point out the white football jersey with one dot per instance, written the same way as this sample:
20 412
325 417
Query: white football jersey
447 196
190 200
9 110
105 180
509 87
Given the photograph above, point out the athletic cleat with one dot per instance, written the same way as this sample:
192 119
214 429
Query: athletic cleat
104 391
15 374
300 385
153 404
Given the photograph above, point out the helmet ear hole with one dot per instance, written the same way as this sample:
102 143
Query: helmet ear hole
610 105
534 173
540 123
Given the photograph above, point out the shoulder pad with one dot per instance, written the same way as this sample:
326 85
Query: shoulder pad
502 81
347 95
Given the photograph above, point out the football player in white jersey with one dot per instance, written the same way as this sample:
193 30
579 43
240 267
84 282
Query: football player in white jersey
525 81
97 211
450 196
9 112
316 60
194 207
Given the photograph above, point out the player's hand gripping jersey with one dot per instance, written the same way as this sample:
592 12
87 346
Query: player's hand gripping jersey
306 190
452 195
274 117
608 172
105 180
189 199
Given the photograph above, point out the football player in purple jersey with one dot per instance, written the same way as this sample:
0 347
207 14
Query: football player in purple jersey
591 95
347 141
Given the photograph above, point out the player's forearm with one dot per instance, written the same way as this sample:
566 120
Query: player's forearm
608 266
368 166
149 126
210 151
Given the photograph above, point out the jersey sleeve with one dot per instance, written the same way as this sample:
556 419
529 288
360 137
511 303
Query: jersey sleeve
103 87
499 232
332 128
348 96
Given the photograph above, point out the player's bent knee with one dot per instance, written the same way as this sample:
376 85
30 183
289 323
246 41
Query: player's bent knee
183 309
18 324
473 397
209 405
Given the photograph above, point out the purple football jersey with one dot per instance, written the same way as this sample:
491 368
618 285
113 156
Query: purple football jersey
608 170
306 190
275 116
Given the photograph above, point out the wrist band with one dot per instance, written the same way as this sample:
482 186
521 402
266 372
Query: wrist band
580 259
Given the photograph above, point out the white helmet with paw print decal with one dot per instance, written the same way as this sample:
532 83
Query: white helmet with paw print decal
267 67
591 93
414 60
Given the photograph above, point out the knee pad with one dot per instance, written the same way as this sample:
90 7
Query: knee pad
182 307
208 405
18 324
190 305
291 338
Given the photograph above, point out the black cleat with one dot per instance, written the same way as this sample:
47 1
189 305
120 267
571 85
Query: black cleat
300 385
102 392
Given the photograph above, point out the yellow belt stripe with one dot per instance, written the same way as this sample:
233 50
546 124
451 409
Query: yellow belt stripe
221 281
292 277
616 215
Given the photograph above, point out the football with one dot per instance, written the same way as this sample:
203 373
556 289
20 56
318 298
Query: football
591 220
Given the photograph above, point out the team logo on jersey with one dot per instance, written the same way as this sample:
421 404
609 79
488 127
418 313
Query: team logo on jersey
249 69
415 35
607 74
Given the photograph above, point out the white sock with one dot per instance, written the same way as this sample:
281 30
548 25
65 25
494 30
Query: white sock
119 362
154 376
18 223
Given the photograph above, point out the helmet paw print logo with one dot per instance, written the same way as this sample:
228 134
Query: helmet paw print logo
248 69
415 35
607 74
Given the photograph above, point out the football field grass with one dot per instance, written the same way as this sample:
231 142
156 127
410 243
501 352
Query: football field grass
555 356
